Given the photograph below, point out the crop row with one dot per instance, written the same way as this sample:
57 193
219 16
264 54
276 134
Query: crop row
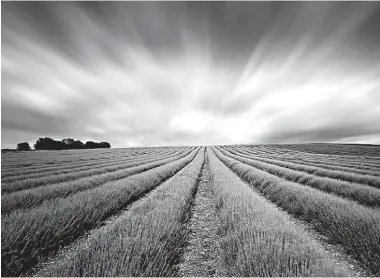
341 221
28 236
81 163
316 161
37 182
351 150
334 174
146 240
353 161
257 238
22 175
363 194
29 198
19 174
320 160
288 152
39 159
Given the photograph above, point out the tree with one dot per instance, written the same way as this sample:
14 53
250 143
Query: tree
68 142
104 145
48 144
44 144
77 145
96 145
90 145
24 146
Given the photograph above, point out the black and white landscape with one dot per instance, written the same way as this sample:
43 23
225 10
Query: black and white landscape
169 73
218 139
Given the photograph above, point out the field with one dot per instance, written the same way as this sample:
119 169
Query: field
237 210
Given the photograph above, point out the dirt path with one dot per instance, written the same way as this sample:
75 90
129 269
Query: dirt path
201 255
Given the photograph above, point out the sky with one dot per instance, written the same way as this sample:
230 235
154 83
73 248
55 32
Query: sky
190 73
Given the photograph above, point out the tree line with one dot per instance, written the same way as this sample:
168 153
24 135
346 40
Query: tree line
65 144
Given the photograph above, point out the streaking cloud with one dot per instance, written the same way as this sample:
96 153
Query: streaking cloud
173 73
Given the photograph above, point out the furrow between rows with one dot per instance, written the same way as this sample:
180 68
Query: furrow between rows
201 256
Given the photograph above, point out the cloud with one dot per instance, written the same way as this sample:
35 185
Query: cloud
179 73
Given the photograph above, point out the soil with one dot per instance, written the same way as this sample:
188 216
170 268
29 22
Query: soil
201 256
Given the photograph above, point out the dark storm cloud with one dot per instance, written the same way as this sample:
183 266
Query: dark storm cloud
154 73
33 120
324 134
